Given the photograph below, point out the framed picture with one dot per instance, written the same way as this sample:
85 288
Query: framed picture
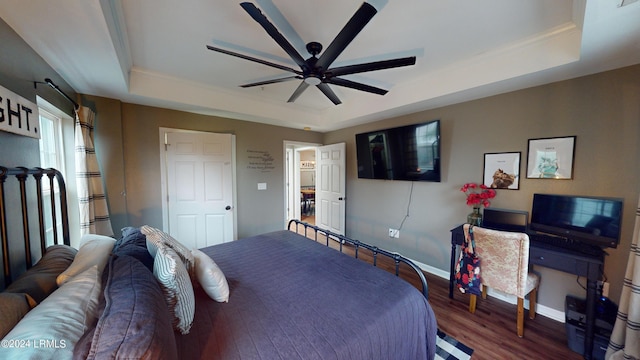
502 170
551 158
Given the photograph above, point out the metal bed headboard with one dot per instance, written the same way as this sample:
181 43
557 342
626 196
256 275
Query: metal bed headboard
22 175
397 258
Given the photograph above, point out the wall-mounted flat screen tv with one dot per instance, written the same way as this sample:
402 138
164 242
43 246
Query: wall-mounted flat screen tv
590 220
409 152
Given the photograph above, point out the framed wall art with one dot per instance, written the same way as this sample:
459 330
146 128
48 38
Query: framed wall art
502 170
551 158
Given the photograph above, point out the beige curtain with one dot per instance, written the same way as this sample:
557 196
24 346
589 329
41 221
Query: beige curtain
625 338
94 214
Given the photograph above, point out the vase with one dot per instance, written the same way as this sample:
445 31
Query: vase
475 218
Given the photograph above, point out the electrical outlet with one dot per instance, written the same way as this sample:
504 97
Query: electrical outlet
394 233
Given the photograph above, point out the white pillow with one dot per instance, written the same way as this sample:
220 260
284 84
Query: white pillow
157 238
176 286
94 251
53 328
210 277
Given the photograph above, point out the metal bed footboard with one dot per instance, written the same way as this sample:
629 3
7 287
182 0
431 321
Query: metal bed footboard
341 239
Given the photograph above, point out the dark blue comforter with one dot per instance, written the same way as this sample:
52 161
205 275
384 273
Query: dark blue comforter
292 298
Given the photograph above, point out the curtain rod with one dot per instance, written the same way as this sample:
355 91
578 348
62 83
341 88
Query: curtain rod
56 88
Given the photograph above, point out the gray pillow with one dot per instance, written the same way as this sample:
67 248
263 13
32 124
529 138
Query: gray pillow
134 244
40 280
135 323
13 307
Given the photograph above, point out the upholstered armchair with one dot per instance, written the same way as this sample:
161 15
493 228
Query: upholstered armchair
504 266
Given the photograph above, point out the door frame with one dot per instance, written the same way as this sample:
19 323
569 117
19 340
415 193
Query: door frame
164 183
292 174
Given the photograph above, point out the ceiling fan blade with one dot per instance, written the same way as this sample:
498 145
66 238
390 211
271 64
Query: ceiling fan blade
257 15
250 58
272 81
370 66
346 35
355 85
329 93
299 90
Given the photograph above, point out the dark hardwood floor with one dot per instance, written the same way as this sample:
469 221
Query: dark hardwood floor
491 331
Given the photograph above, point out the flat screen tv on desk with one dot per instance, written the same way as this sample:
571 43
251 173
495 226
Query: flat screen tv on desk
589 220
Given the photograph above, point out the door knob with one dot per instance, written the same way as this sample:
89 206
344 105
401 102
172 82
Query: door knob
228 207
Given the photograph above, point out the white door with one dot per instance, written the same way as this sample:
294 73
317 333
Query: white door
199 187
331 187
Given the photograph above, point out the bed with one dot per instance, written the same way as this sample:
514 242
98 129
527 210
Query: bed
279 295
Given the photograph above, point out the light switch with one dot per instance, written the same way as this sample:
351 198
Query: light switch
262 186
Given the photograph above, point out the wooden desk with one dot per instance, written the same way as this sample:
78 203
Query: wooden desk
555 258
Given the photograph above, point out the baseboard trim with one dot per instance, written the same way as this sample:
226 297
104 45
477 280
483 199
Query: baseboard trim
540 309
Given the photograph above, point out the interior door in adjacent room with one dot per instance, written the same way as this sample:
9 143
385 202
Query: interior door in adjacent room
331 187
198 187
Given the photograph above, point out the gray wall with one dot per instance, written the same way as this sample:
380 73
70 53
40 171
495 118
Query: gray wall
602 110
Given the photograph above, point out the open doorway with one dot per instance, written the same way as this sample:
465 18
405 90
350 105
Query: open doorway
300 181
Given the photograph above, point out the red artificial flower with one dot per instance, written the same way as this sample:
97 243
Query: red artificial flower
478 194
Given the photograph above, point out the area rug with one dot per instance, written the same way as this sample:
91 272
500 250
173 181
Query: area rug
448 348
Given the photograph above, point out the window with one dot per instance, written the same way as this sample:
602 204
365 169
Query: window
51 143
53 125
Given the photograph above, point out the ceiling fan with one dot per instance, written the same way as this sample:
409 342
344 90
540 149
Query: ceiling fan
316 70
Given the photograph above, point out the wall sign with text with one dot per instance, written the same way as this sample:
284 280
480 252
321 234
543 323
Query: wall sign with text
18 115
260 160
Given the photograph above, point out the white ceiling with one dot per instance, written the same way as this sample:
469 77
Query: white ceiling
153 52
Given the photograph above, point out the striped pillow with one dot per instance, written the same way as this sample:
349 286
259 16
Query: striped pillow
158 238
176 286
